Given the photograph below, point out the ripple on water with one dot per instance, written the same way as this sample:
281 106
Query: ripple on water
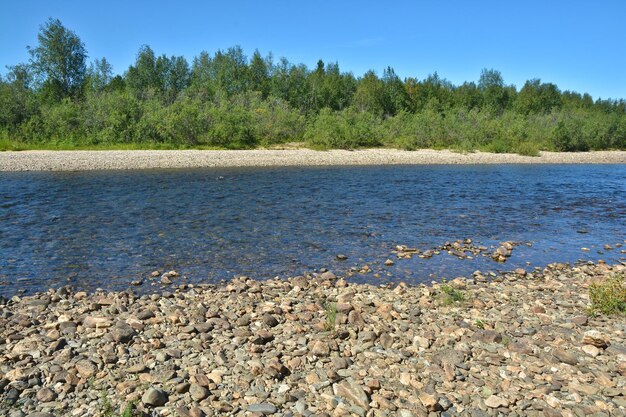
104 229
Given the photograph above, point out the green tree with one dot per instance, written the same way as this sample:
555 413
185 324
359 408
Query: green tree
495 95
202 77
143 78
537 97
59 60
395 96
370 94
259 74
17 103
100 74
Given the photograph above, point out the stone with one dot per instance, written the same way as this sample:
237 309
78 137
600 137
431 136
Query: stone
430 400
96 322
154 397
495 401
580 320
320 348
263 408
595 338
198 392
591 350
122 333
86 368
136 369
565 356
487 336
328 276
46 395
270 320
352 392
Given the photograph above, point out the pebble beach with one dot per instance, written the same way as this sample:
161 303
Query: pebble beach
151 159
522 343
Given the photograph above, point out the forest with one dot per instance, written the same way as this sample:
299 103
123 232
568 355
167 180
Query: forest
225 99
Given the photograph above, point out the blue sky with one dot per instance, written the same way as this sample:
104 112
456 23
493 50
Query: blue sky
579 45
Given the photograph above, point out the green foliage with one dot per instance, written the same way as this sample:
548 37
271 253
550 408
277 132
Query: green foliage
129 410
450 294
609 297
59 59
347 129
330 315
226 100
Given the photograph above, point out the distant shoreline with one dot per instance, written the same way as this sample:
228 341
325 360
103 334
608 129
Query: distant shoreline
160 159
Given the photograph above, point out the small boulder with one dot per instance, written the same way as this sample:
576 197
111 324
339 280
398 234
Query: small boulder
154 397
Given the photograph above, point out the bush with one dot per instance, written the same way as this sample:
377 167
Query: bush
347 129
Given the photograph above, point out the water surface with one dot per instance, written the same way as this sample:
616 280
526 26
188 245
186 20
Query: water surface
106 228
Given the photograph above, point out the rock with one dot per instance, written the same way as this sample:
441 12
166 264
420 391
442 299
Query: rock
495 401
198 392
520 271
270 320
389 262
351 391
154 397
564 356
341 257
591 350
328 276
595 338
40 414
122 333
263 408
320 348
86 368
96 322
487 336
46 395
430 400
136 369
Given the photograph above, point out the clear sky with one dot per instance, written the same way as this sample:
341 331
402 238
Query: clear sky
579 45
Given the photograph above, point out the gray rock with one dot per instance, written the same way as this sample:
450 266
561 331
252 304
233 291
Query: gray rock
154 397
46 395
270 320
122 333
263 408
198 392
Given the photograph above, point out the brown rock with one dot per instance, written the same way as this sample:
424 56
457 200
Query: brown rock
353 392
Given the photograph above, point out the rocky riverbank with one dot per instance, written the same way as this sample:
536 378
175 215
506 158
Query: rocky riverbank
522 344
150 159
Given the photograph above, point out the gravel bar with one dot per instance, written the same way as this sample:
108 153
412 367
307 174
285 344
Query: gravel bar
152 159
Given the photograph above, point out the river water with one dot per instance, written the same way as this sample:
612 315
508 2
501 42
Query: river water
103 229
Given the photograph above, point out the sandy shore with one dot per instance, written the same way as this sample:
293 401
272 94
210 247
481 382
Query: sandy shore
103 160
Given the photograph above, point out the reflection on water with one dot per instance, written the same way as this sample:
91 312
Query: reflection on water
104 229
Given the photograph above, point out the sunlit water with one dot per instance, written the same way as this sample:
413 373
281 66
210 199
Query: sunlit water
105 229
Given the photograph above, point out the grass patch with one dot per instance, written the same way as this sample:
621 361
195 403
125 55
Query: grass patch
330 314
451 295
609 297
480 324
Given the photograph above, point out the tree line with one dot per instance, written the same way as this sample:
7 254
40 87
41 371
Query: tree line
229 100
